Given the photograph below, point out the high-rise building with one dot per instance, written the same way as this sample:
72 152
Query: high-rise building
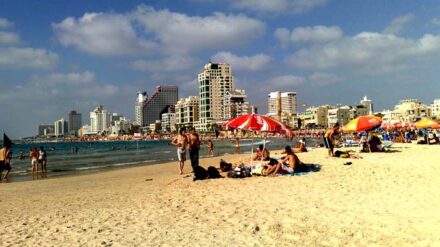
75 122
162 101
281 103
214 81
60 127
100 119
168 122
141 99
187 111
368 103
235 104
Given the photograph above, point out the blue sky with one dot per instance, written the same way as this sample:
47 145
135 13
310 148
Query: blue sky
58 55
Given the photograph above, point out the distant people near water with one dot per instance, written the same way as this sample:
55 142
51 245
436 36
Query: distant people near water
33 156
181 142
237 145
194 147
287 165
329 139
210 148
21 155
301 146
5 162
42 159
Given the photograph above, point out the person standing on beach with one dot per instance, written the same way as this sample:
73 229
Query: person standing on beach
194 148
329 139
210 148
33 156
5 161
42 159
181 141
237 145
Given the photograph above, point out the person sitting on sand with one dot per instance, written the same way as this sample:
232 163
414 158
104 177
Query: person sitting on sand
262 155
301 146
181 142
287 165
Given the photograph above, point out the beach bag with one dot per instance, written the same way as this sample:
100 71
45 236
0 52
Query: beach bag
237 172
200 173
225 166
213 172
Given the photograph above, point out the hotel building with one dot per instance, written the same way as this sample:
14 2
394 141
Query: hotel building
162 101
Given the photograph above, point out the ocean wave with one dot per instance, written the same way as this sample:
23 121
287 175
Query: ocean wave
89 168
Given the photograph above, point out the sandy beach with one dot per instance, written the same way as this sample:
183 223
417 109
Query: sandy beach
384 199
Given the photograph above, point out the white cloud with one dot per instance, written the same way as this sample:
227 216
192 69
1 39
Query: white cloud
73 78
4 23
278 6
324 78
308 34
146 30
244 63
180 33
102 34
398 24
9 38
27 58
366 52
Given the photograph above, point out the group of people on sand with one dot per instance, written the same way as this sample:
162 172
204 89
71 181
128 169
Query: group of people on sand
288 164
190 141
38 159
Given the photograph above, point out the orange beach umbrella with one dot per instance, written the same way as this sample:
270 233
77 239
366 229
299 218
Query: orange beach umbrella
427 123
362 123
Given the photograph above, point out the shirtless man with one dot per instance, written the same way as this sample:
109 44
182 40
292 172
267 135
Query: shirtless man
181 141
329 139
287 165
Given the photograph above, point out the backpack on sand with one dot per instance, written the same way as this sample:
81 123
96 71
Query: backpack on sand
200 173
213 172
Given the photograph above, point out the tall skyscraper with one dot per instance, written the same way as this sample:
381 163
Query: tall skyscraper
162 101
141 99
75 122
214 81
100 119
60 127
285 102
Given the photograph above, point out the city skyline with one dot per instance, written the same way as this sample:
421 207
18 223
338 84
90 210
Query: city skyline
57 54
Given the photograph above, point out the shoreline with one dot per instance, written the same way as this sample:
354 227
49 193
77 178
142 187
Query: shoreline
389 199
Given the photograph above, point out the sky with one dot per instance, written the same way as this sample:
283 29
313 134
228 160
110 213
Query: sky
59 55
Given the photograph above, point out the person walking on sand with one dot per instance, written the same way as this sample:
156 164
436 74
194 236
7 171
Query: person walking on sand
194 148
5 161
329 139
181 141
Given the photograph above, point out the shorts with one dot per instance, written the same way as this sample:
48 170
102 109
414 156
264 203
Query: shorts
287 169
181 154
34 162
4 166
328 143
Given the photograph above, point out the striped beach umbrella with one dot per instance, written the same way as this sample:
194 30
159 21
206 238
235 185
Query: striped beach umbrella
427 123
363 123
256 122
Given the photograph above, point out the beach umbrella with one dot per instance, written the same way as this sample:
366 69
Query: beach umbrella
363 123
427 123
256 122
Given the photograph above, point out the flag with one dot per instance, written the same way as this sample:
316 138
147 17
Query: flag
6 141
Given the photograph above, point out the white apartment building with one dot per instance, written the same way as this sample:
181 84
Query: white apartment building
119 125
187 112
138 106
316 117
60 127
100 119
435 109
235 104
410 110
340 114
168 122
287 103
214 81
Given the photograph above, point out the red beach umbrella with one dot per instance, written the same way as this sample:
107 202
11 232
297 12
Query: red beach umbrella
256 122
362 123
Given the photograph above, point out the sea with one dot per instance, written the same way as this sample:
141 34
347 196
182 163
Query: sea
106 155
